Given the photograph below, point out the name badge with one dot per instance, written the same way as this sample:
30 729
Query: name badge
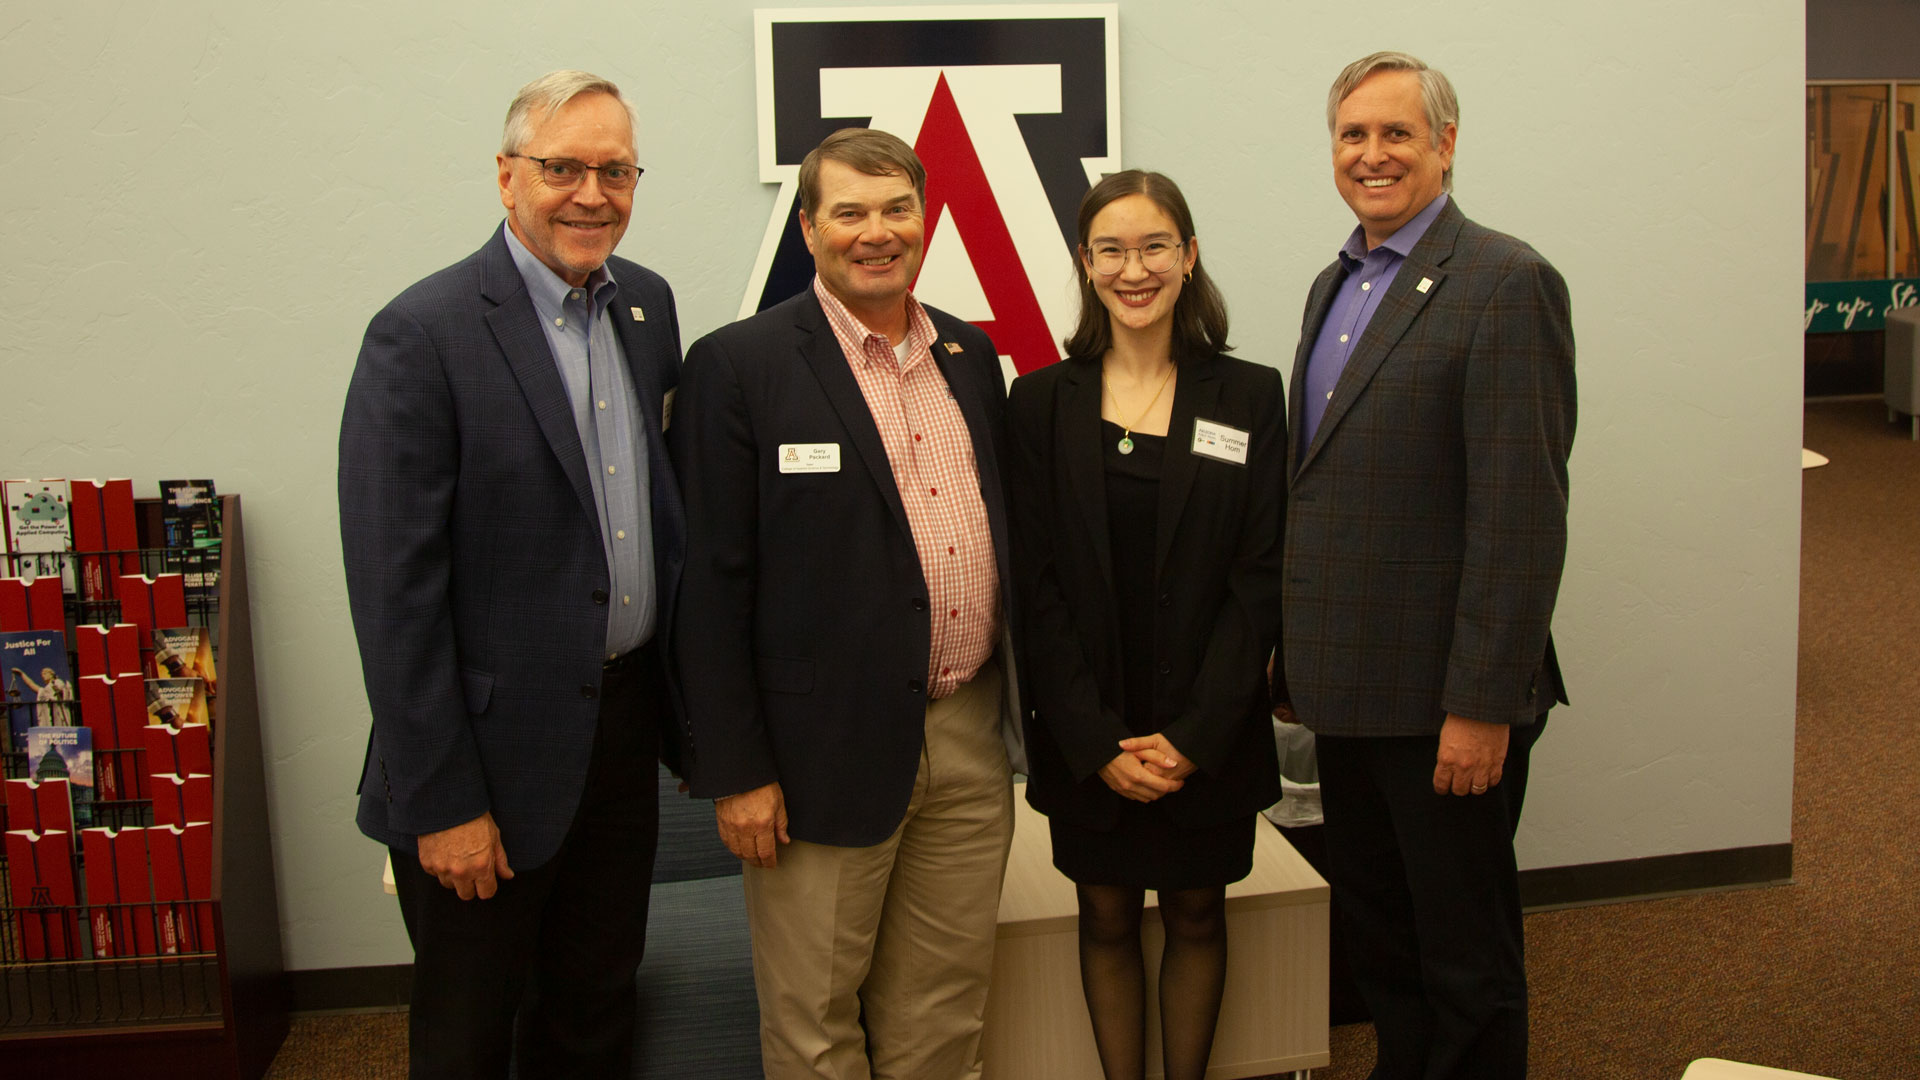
809 457
1220 442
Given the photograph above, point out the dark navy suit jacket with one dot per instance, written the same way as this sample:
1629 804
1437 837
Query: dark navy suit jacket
473 556
803 631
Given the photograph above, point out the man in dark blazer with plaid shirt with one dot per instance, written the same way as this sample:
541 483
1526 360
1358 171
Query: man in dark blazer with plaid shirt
1433 409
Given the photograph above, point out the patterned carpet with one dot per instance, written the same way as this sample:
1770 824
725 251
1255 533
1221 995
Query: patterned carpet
1821 976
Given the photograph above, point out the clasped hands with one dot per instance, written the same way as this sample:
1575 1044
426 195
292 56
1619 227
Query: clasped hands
1147 767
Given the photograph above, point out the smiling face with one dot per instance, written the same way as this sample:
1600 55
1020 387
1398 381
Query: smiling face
1136 298
1385 160
867 236
572 232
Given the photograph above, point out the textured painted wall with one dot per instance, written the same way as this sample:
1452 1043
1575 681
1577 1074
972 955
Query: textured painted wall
204 202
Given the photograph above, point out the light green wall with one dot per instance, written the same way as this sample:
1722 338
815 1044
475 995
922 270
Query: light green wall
204 202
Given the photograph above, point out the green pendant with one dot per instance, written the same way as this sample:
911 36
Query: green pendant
1126 444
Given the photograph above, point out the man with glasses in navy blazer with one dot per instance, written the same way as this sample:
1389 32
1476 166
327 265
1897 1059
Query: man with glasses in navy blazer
1433 404
513 536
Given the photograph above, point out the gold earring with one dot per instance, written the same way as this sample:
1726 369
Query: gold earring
1189 275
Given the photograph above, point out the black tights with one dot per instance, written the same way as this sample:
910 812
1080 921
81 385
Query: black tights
1193 972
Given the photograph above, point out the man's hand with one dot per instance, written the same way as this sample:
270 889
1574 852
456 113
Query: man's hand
467 858
1131 779
1471 754
1157 753
751 822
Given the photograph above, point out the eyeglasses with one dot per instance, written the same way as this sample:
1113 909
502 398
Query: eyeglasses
1156 257
565 174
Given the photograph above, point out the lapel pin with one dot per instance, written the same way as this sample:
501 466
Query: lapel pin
1425 284
641 316
953 348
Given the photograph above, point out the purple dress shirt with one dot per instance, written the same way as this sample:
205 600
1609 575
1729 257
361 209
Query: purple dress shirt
1369 273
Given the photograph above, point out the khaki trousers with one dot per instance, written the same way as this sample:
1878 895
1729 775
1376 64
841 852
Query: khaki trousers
896 938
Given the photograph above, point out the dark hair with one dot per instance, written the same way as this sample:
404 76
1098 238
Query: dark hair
865 150
1199 315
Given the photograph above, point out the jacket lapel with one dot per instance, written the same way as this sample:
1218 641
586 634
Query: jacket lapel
669 513
1080 443
1318 301
1196 393
516 328
821 351
1403 303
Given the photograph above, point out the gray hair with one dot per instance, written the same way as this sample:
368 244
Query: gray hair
541 98
1442 105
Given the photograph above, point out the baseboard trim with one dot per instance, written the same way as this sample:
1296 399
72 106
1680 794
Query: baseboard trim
373 989
1658 875
354 989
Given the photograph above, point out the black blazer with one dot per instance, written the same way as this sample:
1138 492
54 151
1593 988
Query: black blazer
803 633
1217 577
472 549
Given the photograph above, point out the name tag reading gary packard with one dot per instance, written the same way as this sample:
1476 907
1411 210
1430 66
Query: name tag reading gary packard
1216 440
809 457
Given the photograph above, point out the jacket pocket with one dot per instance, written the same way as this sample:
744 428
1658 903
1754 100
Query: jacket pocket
783 675
477 688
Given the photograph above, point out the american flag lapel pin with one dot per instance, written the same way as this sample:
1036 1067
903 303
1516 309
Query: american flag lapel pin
953 348
641 316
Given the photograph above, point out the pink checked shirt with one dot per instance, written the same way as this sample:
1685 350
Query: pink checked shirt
932 459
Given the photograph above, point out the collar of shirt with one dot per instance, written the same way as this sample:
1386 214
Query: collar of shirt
549 293
1401 243
863 346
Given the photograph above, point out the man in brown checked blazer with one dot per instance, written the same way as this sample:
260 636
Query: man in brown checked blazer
1432 407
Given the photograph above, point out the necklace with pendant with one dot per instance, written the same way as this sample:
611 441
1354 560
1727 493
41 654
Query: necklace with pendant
1125 445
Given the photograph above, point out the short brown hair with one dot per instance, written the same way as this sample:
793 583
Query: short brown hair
865 150
1199 314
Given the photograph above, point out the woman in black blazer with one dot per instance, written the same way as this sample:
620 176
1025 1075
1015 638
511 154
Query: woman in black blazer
1149 486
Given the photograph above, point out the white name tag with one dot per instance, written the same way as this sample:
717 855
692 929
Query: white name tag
1216 440
809 457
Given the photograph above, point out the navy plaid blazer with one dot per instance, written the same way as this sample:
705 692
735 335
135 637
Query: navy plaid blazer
473 556
1427 519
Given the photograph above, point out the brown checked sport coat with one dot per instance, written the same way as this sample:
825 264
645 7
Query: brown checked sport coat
1426 521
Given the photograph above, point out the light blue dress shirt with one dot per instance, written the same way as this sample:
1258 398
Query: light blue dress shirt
606 410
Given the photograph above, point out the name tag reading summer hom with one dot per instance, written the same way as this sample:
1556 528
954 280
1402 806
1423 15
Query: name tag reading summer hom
1220 442
809 457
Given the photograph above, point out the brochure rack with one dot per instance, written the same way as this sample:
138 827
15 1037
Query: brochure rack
213 1008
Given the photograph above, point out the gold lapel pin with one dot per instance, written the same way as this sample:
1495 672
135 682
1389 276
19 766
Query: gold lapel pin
1425 284
641 316
953 347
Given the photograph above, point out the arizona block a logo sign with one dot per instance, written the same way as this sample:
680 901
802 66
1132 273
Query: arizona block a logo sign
1015 111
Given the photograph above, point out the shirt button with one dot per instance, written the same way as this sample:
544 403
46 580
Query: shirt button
625 600
1343 340
954 614
559 322
574 295
949 551
916 436
946 671
1329 395
620 534
609 470
603 404
1365 286
933 491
